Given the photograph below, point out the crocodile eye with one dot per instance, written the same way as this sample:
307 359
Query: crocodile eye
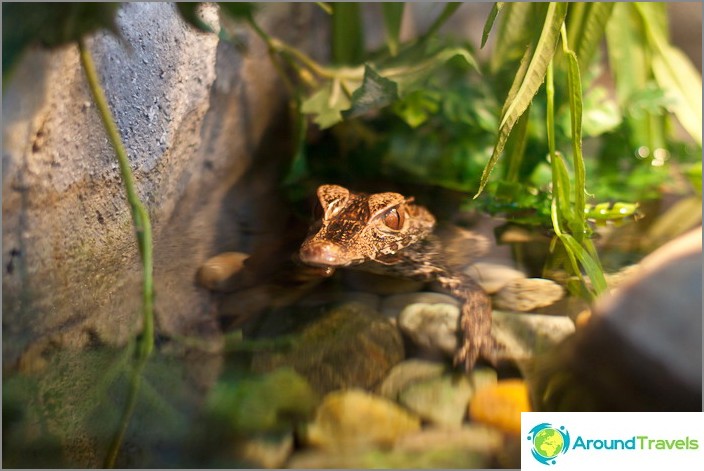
393 219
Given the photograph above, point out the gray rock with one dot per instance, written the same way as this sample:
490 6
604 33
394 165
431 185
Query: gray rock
183 101
391 306
431 327
347 346
527 294
522 336
408 372
441 401
493 276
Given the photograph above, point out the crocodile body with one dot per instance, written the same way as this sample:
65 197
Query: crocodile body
388 233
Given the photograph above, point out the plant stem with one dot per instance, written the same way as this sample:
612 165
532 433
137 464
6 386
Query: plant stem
140 218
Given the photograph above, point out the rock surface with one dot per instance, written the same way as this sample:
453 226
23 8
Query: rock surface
354 418
347 346
193 112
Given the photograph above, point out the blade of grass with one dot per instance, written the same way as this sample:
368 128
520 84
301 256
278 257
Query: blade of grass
347 41
393 15
529 84
574 86
512 35
447 12
585 35
495 9
673 71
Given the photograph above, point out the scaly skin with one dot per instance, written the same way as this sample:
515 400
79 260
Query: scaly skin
387 233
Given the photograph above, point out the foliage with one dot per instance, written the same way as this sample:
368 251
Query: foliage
413 111
559 157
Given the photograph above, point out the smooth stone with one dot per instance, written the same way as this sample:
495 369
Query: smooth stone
475 437
354 418
644 337
482 378
266 451
501 405
493 276
217 272
431 327
521 336
527 294
442 401
446 458
347 346
472 446
408 372
393 305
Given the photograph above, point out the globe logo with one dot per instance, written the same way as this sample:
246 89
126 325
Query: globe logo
548 442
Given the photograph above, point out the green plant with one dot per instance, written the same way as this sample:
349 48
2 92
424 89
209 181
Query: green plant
425 110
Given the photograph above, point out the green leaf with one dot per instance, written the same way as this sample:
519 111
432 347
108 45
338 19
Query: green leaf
609 211
630 65
347 40
238 10
561 188
447 12
376 92
575 100
682 82
673 71
529 83
590 265
513 35
189 13
495 9
50 24
327 104
393 15
412 67
588 30
416 107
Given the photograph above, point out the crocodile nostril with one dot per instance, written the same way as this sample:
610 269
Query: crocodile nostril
323 253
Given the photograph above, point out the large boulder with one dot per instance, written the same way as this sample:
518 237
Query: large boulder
194 112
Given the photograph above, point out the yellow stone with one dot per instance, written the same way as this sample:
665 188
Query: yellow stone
355 418
500 405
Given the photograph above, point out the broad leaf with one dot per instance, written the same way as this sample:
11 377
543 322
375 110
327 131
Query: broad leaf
376 92
327 105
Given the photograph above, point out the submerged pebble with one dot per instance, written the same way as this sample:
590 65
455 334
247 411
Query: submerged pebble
493 276
501 405
527 294
348 346
431 327
441 401
354 418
